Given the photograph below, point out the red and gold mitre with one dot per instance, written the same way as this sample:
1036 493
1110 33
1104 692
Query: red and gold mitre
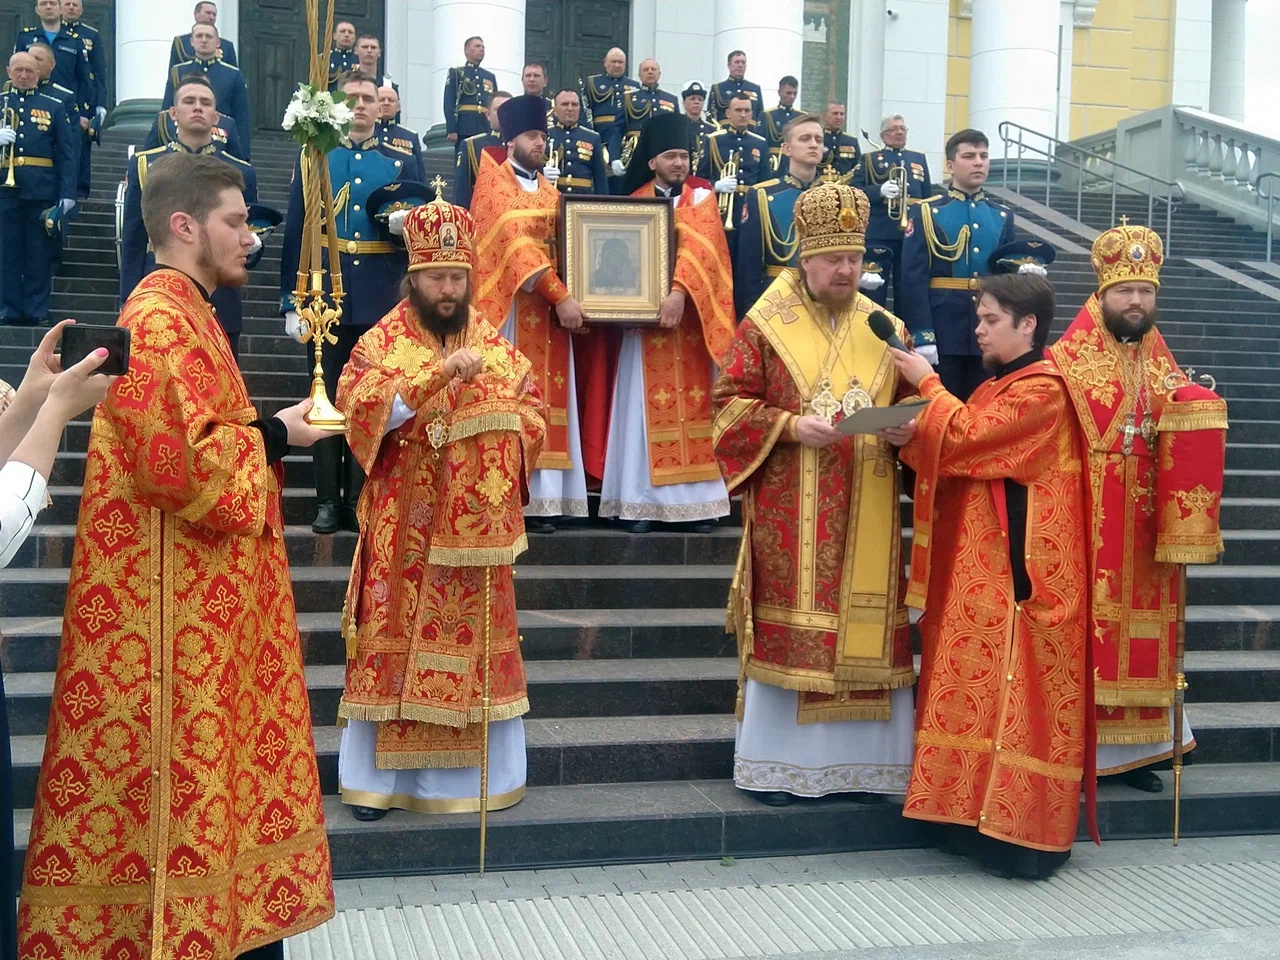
438 234
832 217
1127 253
1189 476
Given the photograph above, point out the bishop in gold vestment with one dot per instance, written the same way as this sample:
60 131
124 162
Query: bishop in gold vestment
817 598
447 423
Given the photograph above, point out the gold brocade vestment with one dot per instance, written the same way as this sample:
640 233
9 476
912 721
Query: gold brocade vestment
816 600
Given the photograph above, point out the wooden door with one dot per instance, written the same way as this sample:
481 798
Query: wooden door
572 36
16 14
274 50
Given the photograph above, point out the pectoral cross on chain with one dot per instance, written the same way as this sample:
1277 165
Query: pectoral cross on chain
825 404
1130 430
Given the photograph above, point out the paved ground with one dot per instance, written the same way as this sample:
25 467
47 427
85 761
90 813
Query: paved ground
1146 900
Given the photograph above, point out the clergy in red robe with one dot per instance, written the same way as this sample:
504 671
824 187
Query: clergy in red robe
659 464
447 424
178 812
516 210
817 597
998 566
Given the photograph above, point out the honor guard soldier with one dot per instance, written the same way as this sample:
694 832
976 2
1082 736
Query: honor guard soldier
734 160
359 169
398 138
194 112
72 11
776 120
71 59
767 241
164 130
726 90
466 96
880 177
842 153
369 50
575 155
226 81
466 163
42 53
184 50
39 147
946 250
642 103
533 78
603 104
342 55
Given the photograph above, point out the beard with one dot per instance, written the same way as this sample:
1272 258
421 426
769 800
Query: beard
529 159
1126 328
231 274
836 303
441 324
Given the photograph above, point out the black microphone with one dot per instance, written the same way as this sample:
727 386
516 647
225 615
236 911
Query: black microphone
882 327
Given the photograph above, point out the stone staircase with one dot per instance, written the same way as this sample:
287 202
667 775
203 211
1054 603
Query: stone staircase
631 675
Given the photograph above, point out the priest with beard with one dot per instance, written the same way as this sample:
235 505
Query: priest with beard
659 464
446 420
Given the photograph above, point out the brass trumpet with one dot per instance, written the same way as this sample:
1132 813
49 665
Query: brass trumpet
9 118
729 169
629 148
897 208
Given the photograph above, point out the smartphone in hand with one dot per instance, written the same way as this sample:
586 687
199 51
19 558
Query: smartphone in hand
81 339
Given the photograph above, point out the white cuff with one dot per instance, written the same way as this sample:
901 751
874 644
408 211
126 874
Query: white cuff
400 415
22 493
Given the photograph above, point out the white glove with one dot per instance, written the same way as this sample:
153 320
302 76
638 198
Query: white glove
617 168
395 221
100 115
66 205
726 185
871 281
551 173
1035 268
929 351
257 245
7 136
890 191
296 327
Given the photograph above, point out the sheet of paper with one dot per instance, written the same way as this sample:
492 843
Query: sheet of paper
873 419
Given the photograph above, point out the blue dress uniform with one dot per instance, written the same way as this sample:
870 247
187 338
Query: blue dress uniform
603 109
92 40
341 61
229 94
699 130
45 163
752 152
182 51
884 238
775 121
841 153
466 165
466 97
726 90
581 155
165 130
70 64
405 143
767 242
642 103
136 257
945 250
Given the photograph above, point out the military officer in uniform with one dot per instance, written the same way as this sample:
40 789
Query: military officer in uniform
642 103
736 142
767 241
43 144
372 267
226 80
396 137
466 162
575 155
42 53
466 95
843 153
534 81
875 177
726 90
342 55
604 109
183 50
71 58
164 130
693 98
946 250
72 11
194 113
776 120
369 50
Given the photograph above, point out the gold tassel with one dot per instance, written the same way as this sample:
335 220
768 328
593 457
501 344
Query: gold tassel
479 556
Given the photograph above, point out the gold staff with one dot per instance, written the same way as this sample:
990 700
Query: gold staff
1179 695
484 716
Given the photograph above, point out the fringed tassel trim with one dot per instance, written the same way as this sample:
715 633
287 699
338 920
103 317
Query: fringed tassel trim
1202 415
1111 697
779 677
1122 739
428 760
479 556
880 711
1187 553
446 718
493 422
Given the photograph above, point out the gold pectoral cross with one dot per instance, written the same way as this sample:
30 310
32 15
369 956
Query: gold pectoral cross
824 403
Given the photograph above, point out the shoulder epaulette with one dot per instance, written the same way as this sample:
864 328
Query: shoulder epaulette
58 86
752 133
229 66
231 156
475 136
147 153
768 183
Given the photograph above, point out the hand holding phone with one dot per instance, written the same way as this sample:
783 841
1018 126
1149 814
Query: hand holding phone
79 340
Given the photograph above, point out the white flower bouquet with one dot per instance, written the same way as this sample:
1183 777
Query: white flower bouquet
316 119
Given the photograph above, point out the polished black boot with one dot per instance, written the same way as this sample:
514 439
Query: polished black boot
352 484
327 455
367 814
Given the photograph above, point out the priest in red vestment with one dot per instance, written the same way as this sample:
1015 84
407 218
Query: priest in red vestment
1117 370
178 812
998 565
659 464
516 210
817 597
446 421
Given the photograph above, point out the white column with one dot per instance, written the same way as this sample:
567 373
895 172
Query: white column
768 31
1066 54
1192 42
499 22
866 63
228 21
1226 70
683 42
144 37
644 25
914 77
1013 67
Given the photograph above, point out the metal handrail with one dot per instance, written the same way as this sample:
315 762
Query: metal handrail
1270 197
1173 196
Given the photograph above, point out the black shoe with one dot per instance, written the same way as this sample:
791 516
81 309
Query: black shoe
539 525
639 526
773 798
700 526
1141 779
349 521
328 517
367 814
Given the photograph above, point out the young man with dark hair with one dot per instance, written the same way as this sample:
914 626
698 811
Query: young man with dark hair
369 52
466 95
843 153
737 85
466 163
533 79
735 141
1000 491
190 476
226 80
342 56
183 49
775 120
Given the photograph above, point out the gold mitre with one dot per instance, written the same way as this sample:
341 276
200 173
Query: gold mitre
832 218
1127 253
